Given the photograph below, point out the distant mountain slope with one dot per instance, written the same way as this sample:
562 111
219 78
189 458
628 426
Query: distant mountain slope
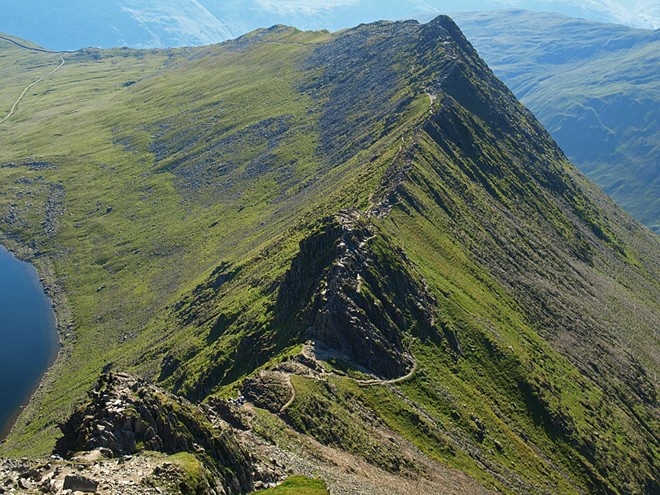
594 86
156 24
339 14
138 23
363 234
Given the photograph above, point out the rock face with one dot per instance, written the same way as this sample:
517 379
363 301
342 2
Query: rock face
267 390
351 291
127 415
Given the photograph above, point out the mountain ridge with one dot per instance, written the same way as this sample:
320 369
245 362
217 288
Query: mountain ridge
523 278
598 100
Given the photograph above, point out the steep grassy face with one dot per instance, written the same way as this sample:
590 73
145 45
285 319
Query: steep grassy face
471 300
593 86
525 249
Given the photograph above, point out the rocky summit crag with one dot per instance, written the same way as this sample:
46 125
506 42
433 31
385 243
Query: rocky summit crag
350 256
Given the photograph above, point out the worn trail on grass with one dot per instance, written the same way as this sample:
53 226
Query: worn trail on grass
12 111
31 48
322 374
15 105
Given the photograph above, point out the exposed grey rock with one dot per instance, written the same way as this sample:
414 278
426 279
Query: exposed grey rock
268 390
359 301
126 415
80 484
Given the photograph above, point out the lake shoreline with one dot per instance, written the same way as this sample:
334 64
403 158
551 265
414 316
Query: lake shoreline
63 325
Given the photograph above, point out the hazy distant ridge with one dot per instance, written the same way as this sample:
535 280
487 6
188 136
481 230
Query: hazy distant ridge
169 23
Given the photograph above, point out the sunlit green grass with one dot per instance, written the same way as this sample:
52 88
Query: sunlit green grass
132 237
298 485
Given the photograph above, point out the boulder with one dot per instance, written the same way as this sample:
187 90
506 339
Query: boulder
80 484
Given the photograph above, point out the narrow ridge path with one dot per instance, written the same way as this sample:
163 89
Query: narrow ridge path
394 381
293 393
15 105
322 374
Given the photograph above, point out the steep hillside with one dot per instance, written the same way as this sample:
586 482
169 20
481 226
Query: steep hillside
593 86
362 235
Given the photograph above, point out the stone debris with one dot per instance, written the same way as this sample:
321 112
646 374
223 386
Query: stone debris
107 470
126 416
91 472
80 484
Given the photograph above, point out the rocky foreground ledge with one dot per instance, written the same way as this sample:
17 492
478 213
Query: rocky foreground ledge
89 472
135 438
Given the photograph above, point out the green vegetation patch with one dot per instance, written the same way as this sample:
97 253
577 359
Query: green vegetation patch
298 485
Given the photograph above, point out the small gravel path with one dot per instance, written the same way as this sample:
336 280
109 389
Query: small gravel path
15 105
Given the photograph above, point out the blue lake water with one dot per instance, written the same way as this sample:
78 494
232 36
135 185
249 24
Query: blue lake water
28 335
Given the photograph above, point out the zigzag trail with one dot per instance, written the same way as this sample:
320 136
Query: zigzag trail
15 105
309 355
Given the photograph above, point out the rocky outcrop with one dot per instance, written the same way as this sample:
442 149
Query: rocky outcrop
352 291
90 472
79 483
127 415
268 390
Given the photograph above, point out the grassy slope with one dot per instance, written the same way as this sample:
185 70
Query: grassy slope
527 273
161 233
593 86
507 384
